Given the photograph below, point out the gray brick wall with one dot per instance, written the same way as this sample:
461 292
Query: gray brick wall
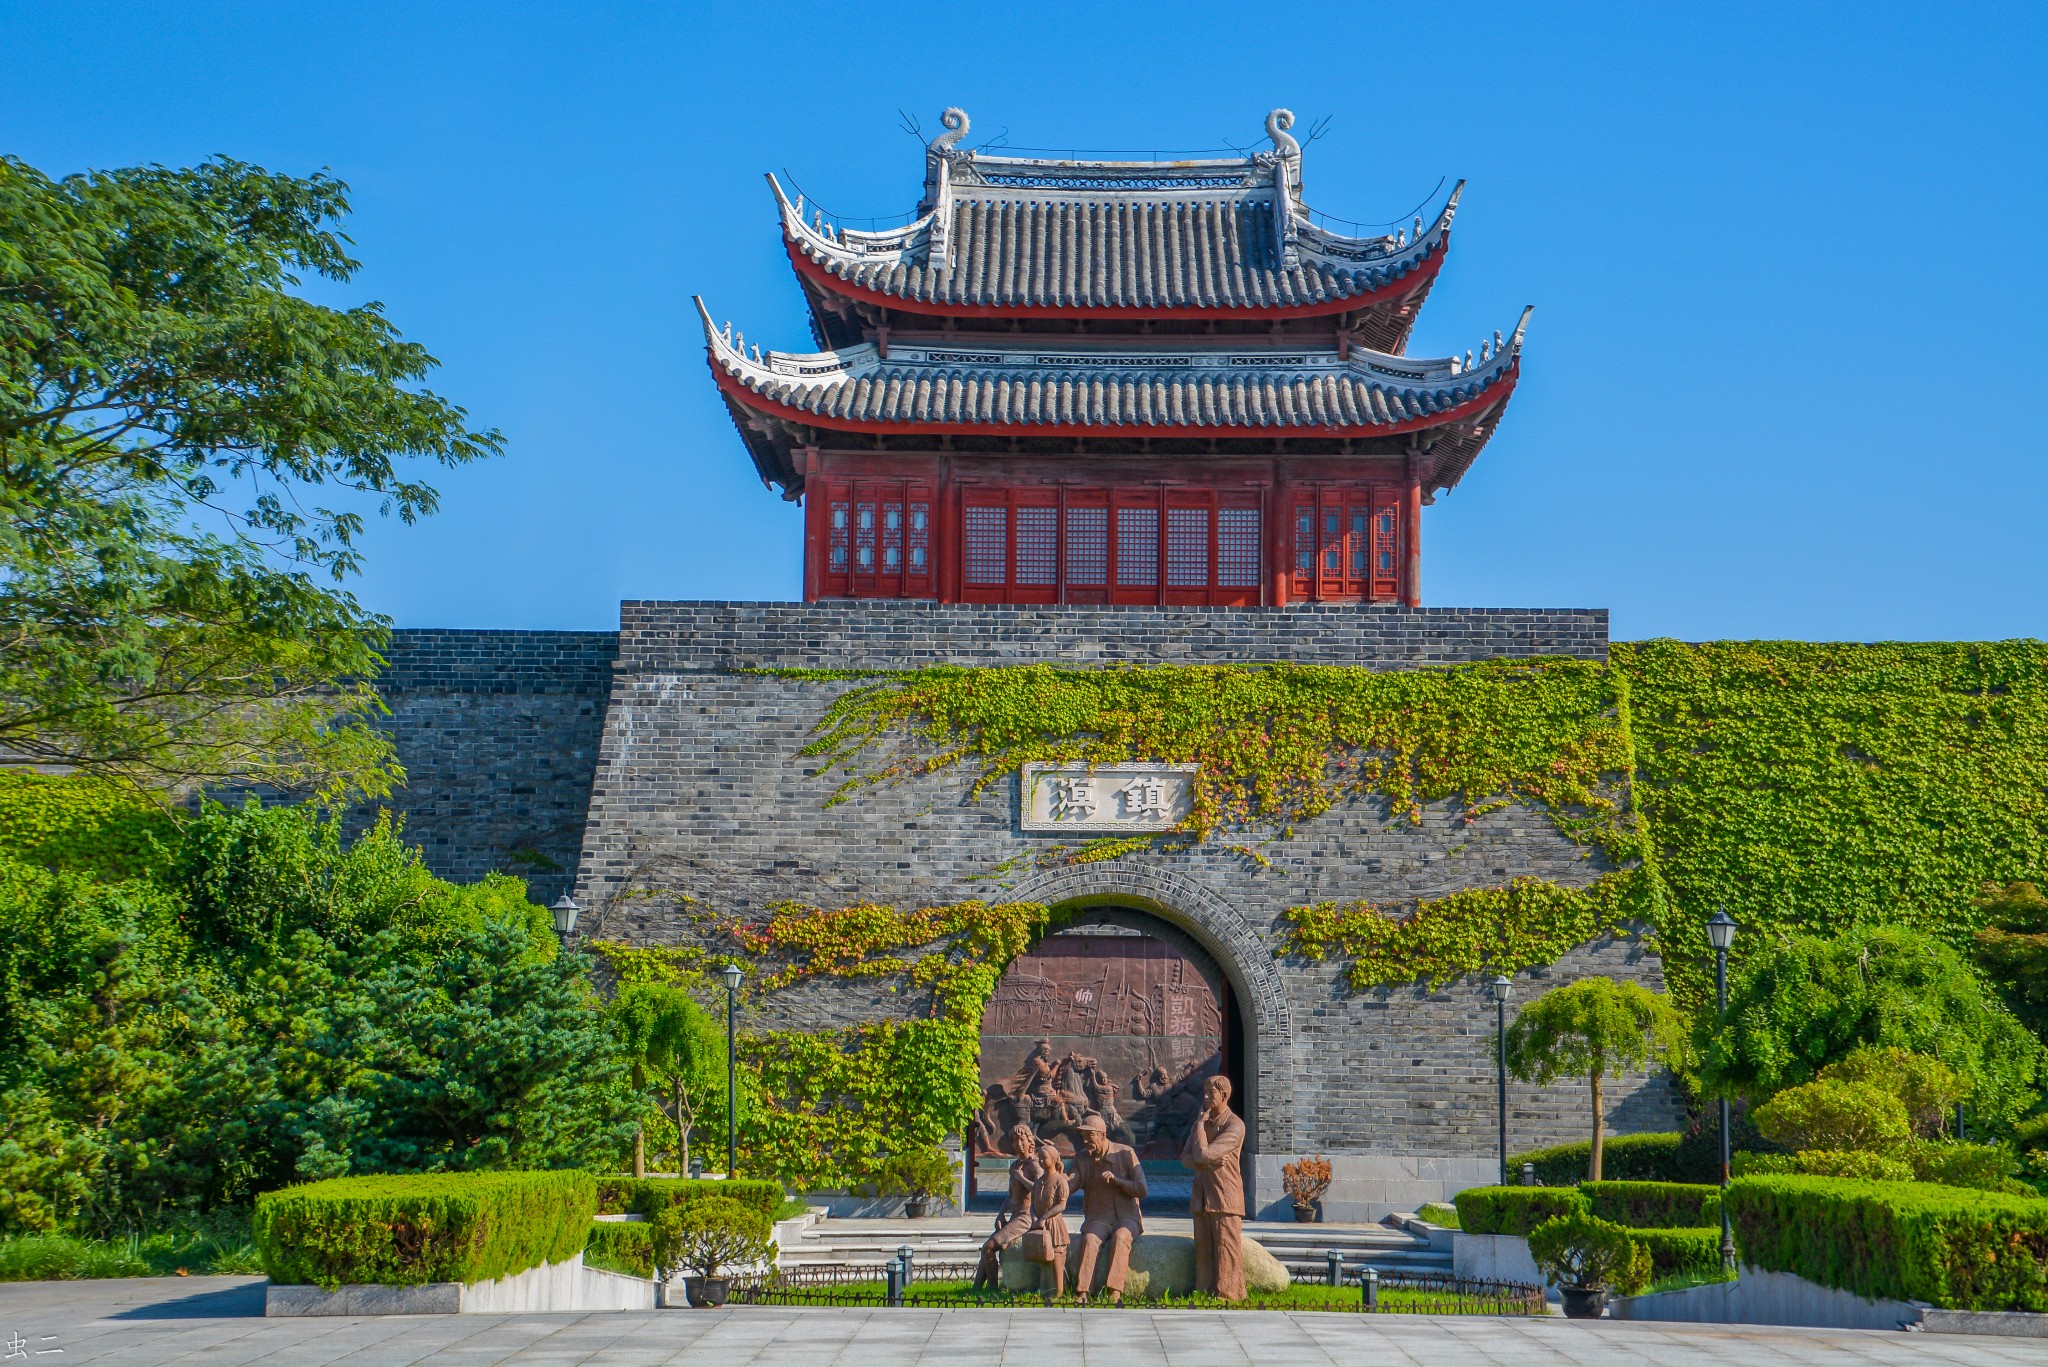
702 805
498 732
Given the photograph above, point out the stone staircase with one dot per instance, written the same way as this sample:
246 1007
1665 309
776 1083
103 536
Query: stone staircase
1304 1250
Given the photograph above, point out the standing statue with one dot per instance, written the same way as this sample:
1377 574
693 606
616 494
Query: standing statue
1015 1218
1112 1183
1214 1144
1046 1241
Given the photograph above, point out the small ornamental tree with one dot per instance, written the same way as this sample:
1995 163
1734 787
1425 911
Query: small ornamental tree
1926 1087
677 1055
1593 1028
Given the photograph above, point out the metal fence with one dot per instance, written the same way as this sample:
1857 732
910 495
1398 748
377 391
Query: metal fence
935 1286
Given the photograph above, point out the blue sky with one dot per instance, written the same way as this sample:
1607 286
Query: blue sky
1784 377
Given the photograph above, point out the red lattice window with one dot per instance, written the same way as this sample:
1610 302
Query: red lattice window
876 538
1088 546
985 542
1137 546
1237 548
1347 544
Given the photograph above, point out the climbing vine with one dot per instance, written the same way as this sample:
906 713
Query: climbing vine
964 946
1276 744
1524 925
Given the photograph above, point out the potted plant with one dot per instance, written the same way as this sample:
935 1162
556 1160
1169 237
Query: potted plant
706 1238
1306 1180
918 1175
1585 1257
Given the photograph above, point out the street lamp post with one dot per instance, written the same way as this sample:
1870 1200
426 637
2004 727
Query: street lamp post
732 1069
1721 934
1501 987
564 911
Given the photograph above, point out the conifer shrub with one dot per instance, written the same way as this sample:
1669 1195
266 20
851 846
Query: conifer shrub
1680 1252
1579 1250
1515 1210
1655 1205
649 1196
620 1246
1854 1164
1627 1158
1949 1246
429 1227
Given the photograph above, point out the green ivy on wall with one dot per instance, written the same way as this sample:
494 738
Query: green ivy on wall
83 825
1818 787
1527 924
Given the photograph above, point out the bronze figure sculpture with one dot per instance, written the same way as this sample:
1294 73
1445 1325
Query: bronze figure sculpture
1112 1184
1046 1240
1214 1145
1015 1217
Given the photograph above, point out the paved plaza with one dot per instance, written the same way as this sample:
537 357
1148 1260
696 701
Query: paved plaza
216 1322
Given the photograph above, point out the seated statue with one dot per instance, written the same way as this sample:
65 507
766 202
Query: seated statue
1015 1218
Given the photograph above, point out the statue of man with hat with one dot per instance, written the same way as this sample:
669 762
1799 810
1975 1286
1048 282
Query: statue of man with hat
1112 1182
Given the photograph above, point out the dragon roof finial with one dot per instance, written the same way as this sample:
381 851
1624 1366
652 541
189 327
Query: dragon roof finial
1277 124
954 120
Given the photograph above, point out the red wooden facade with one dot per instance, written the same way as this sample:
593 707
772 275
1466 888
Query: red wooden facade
1041 395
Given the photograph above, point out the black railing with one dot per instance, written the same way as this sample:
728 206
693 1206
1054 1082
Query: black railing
937 1286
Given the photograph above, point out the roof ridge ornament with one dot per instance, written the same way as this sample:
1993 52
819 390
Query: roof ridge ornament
938 187
1286 183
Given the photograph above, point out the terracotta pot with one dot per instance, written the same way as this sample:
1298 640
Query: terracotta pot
1583 1302
1304 1214
917 1207
707 1292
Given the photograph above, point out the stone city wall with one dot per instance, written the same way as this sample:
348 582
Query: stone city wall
702 804
498 732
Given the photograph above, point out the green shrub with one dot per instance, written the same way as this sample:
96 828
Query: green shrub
1681 1252
916 1172
708 1237
1924 1085
1579 1250
1987 1167
1624 1158
1849 1163
649 1196
621 1246
1654 1205
433 1227
1515 1210
1951 1247
1835 1115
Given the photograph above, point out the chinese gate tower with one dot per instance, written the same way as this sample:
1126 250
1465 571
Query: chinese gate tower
1113 382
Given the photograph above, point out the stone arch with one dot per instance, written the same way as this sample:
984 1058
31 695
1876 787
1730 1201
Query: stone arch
1222 933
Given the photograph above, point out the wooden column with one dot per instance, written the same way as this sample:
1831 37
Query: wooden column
1411 536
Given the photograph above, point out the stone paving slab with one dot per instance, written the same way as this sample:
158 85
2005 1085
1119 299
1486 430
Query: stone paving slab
217 1322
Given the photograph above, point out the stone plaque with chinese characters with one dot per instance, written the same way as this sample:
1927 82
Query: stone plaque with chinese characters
1109 797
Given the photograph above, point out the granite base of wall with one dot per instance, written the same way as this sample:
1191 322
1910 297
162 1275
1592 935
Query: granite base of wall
1759 1297
1494 1258
1370 1186
2018 1324
553 1287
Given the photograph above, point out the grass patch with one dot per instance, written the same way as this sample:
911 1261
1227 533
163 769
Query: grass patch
216 1245
1683 1281
1300 1296
790 1209
1446 1216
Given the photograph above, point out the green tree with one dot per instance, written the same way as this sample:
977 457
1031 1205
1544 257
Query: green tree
1925 1086
676 1052
169 407
1593 1028
2012 949
494 1054
1810 1001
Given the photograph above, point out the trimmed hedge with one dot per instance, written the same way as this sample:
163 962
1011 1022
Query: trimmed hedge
621 1244
427 1227
649 1196
1949 1246
1675 1251
1515 1210
1655 1205
1624 1158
